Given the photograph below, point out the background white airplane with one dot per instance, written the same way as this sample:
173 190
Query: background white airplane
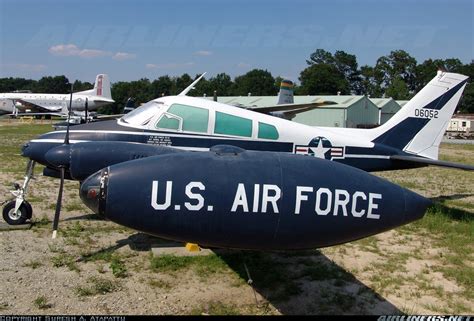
57 104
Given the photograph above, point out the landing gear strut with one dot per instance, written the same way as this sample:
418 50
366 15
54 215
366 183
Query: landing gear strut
17 211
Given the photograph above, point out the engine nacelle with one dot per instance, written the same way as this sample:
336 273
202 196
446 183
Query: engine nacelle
83 159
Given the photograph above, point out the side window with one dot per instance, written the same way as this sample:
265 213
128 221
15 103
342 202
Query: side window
168 122
267 131
194 119
232 125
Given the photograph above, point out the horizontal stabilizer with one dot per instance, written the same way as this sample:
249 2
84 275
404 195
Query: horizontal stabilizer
427 161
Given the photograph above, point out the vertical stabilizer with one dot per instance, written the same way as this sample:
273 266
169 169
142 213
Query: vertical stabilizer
101 87
285 95
419 126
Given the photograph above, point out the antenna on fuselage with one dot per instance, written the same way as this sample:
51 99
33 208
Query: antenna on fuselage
184 92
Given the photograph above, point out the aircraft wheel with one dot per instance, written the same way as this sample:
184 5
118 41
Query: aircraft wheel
24 213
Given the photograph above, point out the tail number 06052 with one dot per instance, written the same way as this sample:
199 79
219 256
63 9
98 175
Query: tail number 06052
426 113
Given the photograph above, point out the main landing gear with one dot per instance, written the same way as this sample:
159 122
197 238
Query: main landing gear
17 211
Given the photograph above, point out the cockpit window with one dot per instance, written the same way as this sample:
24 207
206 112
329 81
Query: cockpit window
168 121
142 114
267 131
186 118
232 125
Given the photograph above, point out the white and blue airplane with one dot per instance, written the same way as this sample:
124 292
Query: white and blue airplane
410 139
57 104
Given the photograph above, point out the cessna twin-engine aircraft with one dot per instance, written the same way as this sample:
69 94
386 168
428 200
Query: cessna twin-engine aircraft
254 173
57 104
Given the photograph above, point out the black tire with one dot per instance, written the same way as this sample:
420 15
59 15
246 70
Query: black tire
29 209
16 219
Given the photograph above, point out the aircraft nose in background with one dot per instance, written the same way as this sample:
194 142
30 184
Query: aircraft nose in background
93 191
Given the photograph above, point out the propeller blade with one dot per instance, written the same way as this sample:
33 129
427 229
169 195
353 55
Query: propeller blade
58 204
66 138
86 110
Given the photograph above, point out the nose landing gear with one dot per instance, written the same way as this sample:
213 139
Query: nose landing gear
17 211
19 216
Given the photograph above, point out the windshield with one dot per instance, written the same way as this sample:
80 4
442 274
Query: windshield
142 114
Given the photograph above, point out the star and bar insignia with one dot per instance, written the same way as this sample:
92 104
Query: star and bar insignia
320 147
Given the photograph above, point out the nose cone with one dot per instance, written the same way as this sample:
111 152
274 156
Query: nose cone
59 156
415 206
24 150
92 192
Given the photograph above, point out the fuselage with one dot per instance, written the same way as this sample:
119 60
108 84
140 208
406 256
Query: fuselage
196 125
48 102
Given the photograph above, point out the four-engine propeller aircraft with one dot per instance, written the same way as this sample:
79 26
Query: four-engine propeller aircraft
55 104
164 128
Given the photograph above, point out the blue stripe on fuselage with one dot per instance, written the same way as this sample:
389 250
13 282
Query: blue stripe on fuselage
400 135
165 139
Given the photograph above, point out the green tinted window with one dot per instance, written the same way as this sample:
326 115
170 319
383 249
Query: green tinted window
168 122
267 131
232 125
194 119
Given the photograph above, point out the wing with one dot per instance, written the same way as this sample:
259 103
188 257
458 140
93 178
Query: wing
30 104
108 117
289 111
427 161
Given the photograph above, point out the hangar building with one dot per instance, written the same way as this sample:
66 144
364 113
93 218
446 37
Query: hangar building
349 111
387 108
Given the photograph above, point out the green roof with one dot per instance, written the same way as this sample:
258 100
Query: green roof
402 102
266 101
381 102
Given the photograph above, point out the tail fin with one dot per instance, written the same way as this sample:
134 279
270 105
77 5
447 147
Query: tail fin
285 95
101 87
419 126
129 105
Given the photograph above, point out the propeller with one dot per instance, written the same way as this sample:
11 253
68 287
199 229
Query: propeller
62 170
86 110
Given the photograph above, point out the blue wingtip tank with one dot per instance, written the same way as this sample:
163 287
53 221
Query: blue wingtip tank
249 200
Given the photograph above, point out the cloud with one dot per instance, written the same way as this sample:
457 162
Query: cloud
169 65
243 65
203 53
64 50
73 50
26 67
120 56
151 66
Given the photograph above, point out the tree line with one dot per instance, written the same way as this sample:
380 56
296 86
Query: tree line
397 75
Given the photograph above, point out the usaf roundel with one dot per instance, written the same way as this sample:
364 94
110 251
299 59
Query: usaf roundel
320 147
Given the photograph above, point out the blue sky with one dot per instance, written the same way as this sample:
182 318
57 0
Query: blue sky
134 39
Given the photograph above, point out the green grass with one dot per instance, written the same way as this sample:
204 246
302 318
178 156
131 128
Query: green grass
102 255
34 264
67 260
157 283
203 265
41 303
119 270
74 206
273 274
453 230
97 285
